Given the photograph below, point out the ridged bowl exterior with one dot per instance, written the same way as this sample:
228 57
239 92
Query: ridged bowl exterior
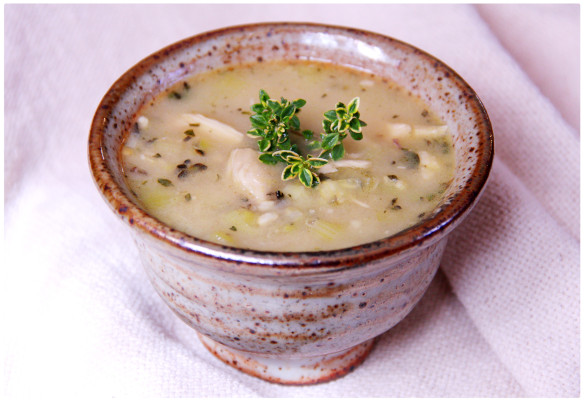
295 313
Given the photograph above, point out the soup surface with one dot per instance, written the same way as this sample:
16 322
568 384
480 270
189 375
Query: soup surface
191 164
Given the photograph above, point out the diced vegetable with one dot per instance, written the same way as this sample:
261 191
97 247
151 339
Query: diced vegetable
142 122
429 165
360 203
299 194
366 83
353 183
241 218
155 196
399 130
293 214
224 238
132 141
429 161
330 190
324 229
429 131
127 151
288 228
165 145
267 218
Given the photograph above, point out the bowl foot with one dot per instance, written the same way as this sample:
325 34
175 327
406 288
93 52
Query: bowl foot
311 370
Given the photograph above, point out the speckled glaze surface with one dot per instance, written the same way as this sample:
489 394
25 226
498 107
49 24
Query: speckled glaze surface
293 318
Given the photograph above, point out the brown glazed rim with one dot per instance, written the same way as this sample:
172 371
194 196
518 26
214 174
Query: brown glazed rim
405 242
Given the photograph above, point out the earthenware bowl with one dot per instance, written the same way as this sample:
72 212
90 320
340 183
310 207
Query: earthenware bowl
293 318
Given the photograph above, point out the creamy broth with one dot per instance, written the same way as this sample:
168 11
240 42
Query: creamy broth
191 164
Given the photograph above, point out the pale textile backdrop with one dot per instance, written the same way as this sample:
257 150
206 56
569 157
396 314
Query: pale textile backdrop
500 319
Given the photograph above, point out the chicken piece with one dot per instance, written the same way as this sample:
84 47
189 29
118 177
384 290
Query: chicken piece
213 129
252 176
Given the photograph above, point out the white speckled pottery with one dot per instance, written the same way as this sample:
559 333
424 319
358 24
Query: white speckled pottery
293 318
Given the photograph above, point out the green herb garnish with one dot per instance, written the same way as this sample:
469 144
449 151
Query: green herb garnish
301 167
338 123
274 121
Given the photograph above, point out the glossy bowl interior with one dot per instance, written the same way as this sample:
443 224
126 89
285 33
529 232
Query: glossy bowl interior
447 94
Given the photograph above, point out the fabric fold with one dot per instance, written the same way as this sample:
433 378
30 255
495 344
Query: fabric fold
514 269
529 32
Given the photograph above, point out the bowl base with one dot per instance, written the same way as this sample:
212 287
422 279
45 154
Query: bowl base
304 371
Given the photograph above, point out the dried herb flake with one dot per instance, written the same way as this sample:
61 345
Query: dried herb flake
165 182
410 159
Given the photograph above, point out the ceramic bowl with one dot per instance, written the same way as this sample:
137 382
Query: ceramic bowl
293 318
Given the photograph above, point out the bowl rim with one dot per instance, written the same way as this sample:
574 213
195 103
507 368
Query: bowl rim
424 233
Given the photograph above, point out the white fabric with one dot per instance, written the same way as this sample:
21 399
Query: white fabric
501 317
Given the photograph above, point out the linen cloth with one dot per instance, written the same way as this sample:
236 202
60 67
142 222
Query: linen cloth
500 319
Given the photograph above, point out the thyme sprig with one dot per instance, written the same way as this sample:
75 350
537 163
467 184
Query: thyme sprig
273 121
301 167
338 123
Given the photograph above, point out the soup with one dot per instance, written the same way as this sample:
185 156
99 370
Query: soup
191 165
